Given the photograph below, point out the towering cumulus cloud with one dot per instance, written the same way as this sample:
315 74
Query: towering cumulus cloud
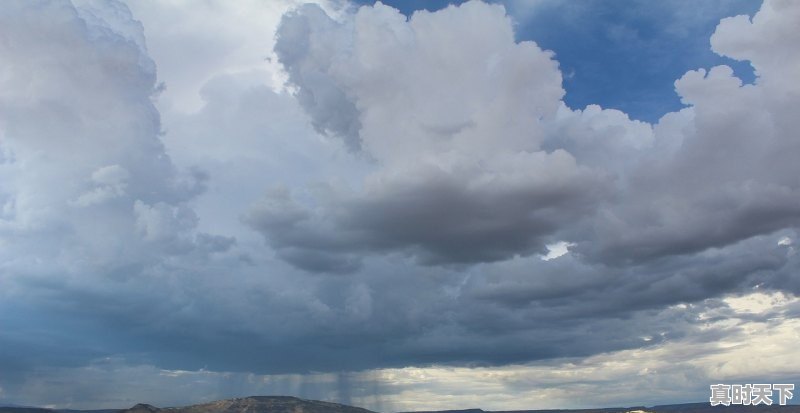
732 175
477 160
453 113
91 205
82 159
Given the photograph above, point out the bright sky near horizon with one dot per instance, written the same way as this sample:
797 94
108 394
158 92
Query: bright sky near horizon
406 205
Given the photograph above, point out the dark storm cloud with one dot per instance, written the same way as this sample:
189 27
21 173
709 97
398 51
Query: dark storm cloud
438 219
495 316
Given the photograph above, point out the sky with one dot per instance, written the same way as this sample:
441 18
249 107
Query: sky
400 206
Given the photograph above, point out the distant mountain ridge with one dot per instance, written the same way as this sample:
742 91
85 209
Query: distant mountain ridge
289 404
254 404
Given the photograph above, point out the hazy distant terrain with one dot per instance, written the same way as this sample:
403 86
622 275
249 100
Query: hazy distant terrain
287 404
255 404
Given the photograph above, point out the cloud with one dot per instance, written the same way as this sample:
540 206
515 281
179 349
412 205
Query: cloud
91 199
110 183
175 34
731 177
472 168
765 41
686 209
461 176
407 182
755 329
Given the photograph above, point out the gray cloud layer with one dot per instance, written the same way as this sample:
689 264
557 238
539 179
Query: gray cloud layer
413 178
